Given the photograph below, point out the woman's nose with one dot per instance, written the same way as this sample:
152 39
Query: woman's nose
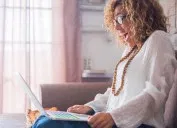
118 27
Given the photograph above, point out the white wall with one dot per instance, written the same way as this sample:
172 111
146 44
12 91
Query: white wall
97 44
104 55
170 6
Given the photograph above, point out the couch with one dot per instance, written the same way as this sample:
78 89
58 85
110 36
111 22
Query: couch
64 95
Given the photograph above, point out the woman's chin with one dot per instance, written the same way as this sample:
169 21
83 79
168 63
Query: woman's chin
124 41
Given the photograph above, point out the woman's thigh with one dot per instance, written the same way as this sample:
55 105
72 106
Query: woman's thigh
45 122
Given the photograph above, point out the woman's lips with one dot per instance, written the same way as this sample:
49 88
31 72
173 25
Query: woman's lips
124 36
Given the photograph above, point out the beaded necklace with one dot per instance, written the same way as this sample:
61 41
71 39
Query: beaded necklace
135 50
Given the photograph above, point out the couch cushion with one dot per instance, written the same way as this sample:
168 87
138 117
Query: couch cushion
64 95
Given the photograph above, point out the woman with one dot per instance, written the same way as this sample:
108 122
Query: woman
142 78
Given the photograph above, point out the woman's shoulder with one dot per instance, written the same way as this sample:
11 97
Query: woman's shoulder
158 43
159 39
159 35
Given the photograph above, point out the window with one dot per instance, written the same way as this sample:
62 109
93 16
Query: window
26 21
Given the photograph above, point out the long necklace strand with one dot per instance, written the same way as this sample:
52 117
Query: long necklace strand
124 71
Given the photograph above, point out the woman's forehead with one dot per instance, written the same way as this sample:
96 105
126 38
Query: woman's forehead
119 10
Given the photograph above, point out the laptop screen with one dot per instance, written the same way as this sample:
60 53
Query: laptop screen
21 81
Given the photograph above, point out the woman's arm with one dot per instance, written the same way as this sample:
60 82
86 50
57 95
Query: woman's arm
161 71
100 101
98 104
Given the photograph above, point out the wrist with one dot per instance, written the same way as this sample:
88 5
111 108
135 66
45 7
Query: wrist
90 111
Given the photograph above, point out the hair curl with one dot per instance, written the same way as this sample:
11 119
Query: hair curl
145 16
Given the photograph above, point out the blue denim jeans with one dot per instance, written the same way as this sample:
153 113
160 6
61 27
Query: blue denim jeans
45 122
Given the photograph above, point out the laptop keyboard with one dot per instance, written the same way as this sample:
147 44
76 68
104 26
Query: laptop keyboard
62 115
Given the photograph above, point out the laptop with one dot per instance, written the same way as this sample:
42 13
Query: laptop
54 115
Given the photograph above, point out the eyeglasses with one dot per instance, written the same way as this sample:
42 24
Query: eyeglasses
119 19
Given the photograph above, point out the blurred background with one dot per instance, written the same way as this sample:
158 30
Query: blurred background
56 41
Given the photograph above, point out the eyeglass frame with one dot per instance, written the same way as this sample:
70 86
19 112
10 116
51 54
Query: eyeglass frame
119 19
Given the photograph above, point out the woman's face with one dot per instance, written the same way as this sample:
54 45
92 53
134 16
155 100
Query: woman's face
122 25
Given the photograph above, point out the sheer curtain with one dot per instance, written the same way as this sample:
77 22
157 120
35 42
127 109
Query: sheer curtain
66 40
30 44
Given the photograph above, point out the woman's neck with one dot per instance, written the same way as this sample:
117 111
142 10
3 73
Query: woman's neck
132 44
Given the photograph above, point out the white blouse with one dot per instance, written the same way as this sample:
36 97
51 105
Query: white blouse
148 80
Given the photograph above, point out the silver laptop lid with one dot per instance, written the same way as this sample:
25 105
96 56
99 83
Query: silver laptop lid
21 81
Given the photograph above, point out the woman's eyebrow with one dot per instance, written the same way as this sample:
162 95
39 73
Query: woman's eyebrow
119 13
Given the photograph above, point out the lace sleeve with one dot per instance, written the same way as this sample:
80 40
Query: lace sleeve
100 101
160 73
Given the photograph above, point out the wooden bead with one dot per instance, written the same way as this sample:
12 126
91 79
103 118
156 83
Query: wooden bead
133 52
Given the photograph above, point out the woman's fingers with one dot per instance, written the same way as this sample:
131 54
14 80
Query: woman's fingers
95 120
81 109
102 124
73 108
101 120
108 125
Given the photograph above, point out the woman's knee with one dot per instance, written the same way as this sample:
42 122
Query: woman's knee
43 122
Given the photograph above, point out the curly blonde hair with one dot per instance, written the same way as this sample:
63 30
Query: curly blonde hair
145 16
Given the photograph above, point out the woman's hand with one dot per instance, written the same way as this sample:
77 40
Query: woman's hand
101 120
81 109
